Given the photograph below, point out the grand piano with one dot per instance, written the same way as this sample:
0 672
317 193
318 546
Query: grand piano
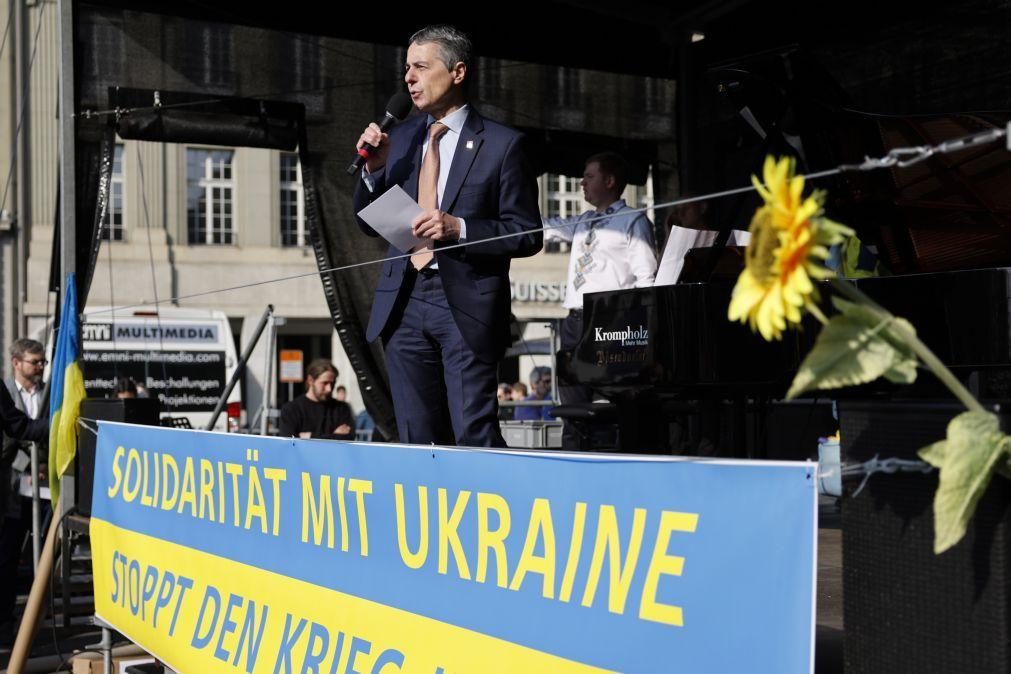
662 353
679 374
667 353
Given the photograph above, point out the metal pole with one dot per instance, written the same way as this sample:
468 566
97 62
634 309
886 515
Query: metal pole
36 509
68 185
268 378
106 648
240 368
22 201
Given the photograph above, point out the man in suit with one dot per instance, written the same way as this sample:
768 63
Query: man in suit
443 315
20 404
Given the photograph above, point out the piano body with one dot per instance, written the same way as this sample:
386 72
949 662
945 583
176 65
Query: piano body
660 353
654 351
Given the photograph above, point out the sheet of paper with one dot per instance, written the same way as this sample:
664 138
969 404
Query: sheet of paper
391 215
25 488
21 461
680 241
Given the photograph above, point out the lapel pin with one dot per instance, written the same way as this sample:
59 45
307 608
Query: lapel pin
470 145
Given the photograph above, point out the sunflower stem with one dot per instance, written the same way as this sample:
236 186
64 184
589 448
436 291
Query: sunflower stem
816 312
934 363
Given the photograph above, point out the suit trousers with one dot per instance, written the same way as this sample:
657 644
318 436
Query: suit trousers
442 393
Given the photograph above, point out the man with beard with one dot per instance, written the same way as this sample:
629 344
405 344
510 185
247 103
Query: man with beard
316 414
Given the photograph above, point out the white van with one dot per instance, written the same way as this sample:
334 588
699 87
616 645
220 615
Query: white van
185 357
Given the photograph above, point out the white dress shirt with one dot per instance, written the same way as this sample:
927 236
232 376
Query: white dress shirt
623 254
454 122
32 400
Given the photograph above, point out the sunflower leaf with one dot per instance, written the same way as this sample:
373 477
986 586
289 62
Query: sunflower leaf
851 259
967 458
857 346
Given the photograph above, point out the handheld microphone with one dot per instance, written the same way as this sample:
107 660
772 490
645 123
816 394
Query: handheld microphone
396 109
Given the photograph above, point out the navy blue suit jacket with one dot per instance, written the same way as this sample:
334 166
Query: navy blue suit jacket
492 186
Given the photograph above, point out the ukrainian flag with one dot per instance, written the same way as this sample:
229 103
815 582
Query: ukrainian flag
66 389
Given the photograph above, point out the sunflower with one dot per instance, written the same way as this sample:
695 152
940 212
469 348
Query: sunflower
789 245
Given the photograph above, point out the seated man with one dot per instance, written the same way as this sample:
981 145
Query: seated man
316 414
540 386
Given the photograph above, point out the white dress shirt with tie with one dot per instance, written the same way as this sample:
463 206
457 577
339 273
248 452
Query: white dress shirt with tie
611 250
454 122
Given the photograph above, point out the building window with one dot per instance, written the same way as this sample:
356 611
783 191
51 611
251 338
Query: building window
489 72
104 52
293 227
208 56
568 87
399 56
304 64
209 189
112 225
563 198
656 95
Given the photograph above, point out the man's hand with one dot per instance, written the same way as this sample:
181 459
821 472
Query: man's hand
374 136
436 225
343 429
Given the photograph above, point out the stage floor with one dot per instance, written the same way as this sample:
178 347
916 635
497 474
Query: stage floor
829 632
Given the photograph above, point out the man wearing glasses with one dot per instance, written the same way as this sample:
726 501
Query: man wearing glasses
20 412
540 391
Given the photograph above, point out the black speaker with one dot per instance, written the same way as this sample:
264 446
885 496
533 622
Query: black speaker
905 608
143 411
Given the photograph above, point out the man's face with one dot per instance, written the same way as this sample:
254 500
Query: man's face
598 187
29 368
321 387
541 386
433 87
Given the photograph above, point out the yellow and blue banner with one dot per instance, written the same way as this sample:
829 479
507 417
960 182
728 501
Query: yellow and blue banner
232 553
66 388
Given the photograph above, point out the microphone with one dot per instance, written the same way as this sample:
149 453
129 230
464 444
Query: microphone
396 109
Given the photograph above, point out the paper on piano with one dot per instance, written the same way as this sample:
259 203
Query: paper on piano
682 240
391 215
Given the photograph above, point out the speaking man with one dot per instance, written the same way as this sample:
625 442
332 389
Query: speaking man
443 314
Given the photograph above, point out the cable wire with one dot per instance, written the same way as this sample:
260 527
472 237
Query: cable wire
896 158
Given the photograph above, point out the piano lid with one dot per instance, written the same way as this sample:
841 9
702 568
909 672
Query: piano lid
949 212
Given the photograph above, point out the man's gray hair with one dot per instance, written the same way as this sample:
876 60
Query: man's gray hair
24 345
454 45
